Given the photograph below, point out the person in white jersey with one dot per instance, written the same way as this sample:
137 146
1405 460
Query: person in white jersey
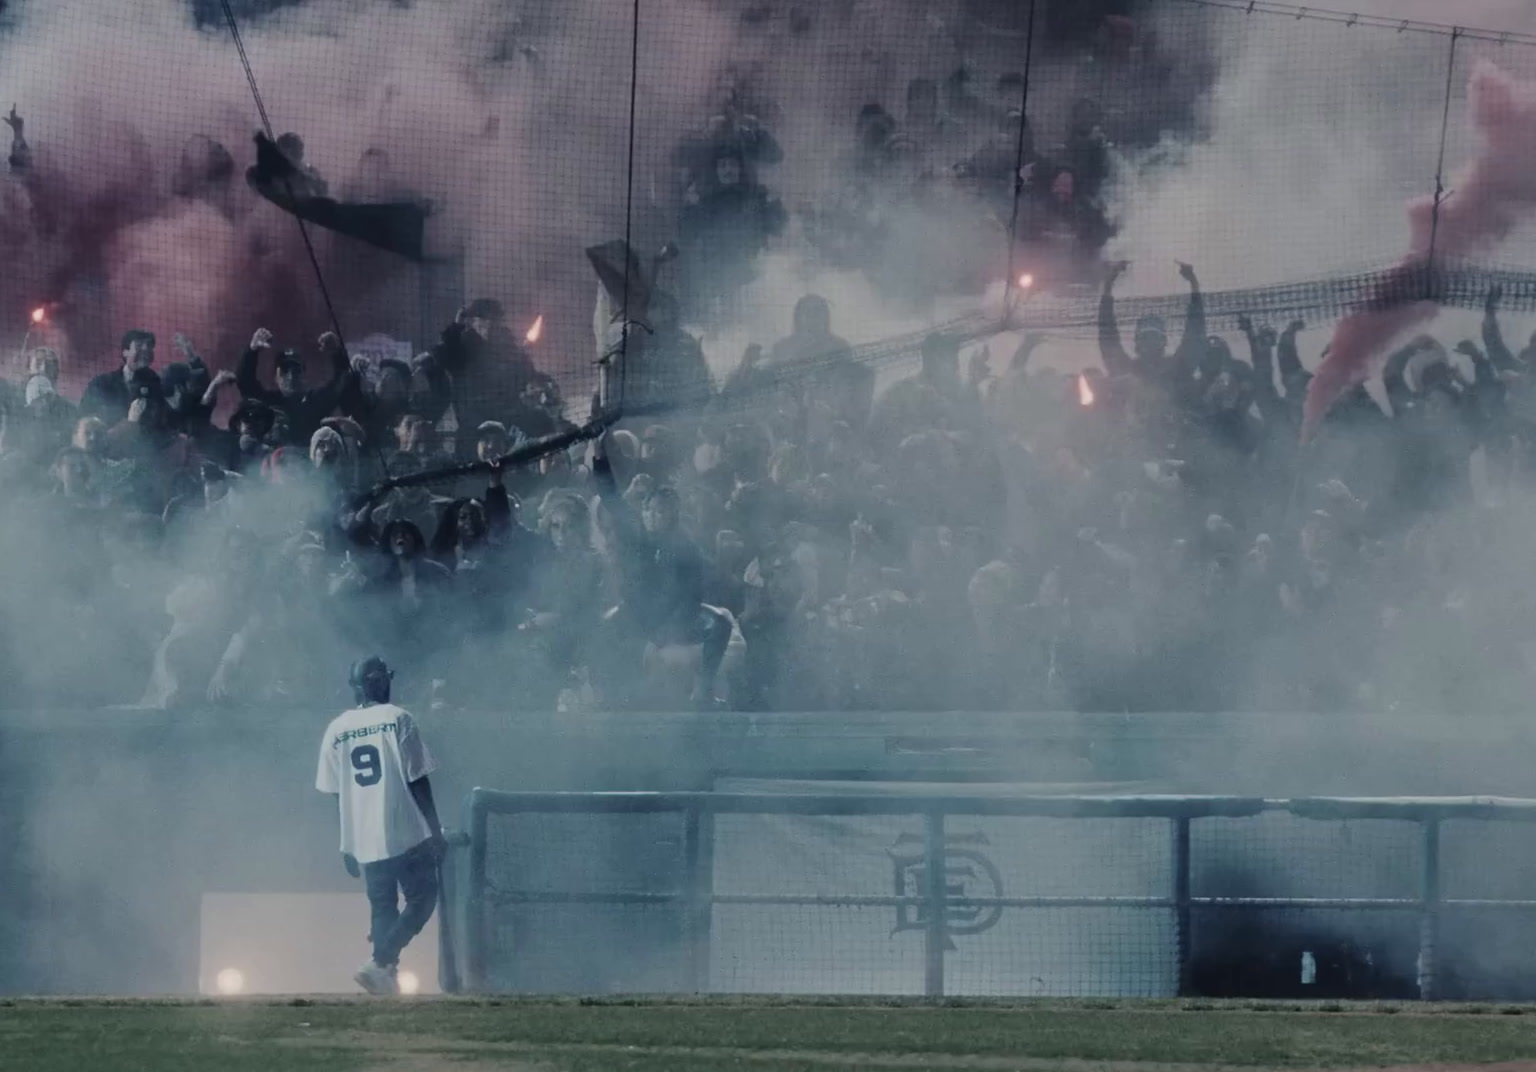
373 760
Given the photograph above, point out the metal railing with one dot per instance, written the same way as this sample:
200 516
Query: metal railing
696 898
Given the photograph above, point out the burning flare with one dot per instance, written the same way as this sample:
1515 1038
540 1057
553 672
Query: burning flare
536 332
1026 281
38 314
1084 390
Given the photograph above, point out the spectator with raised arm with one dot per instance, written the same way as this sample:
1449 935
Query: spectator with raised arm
303 408
661 576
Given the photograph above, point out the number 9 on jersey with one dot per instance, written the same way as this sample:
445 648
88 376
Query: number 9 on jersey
366 765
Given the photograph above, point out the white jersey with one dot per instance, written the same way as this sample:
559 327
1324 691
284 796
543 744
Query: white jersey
369 757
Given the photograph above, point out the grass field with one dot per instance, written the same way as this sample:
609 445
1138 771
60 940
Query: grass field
453 1035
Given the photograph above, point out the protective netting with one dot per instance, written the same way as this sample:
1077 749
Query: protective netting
1483 864
826 904
867 153
585 903
1274 904
1332 949
1478 57
1084 949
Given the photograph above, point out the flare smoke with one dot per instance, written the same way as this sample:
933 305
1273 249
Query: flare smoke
1488 198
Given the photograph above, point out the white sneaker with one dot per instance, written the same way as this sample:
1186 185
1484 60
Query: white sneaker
377 980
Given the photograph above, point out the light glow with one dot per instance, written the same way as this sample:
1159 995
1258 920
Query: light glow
230 981
536 332
1084 390
409 983
1026 281
38 314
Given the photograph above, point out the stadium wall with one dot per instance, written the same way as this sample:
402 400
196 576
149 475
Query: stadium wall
113 825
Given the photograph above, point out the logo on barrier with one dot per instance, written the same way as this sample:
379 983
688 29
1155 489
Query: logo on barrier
968 874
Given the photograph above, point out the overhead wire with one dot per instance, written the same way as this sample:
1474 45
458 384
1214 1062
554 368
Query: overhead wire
309 245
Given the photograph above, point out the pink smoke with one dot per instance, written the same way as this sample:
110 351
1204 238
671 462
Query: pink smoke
173 272
516 150
1488 198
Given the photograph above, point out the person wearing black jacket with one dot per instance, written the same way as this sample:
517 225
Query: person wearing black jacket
662 575
185 385
491 370
723 231
109 395
378 408
1152 360
303 409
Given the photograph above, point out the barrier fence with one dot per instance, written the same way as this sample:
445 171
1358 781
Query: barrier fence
880 135
993 894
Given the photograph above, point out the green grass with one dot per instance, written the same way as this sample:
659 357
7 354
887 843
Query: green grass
751 1034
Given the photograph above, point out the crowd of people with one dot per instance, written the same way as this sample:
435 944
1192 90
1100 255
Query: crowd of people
925 194
984 534
1145 535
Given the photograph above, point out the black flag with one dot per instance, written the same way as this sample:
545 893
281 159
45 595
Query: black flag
396 226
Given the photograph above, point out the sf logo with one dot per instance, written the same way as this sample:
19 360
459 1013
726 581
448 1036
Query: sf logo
968 874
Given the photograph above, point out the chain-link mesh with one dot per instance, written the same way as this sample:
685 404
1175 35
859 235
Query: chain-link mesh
809 942
1322 899
585 903
1483 941
1332 948
1095 947
1280 855
866 153
1490 97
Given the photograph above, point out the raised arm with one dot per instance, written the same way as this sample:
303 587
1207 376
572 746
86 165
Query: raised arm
330 395
21 153
189 352
625 524
439 393
220 379
355 401
1493 336
1394 375
1261 351
602 468
1485 377
1111 349
1187 356
498 502
245 372
1293 376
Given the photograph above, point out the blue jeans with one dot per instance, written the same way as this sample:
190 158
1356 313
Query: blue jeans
413 875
